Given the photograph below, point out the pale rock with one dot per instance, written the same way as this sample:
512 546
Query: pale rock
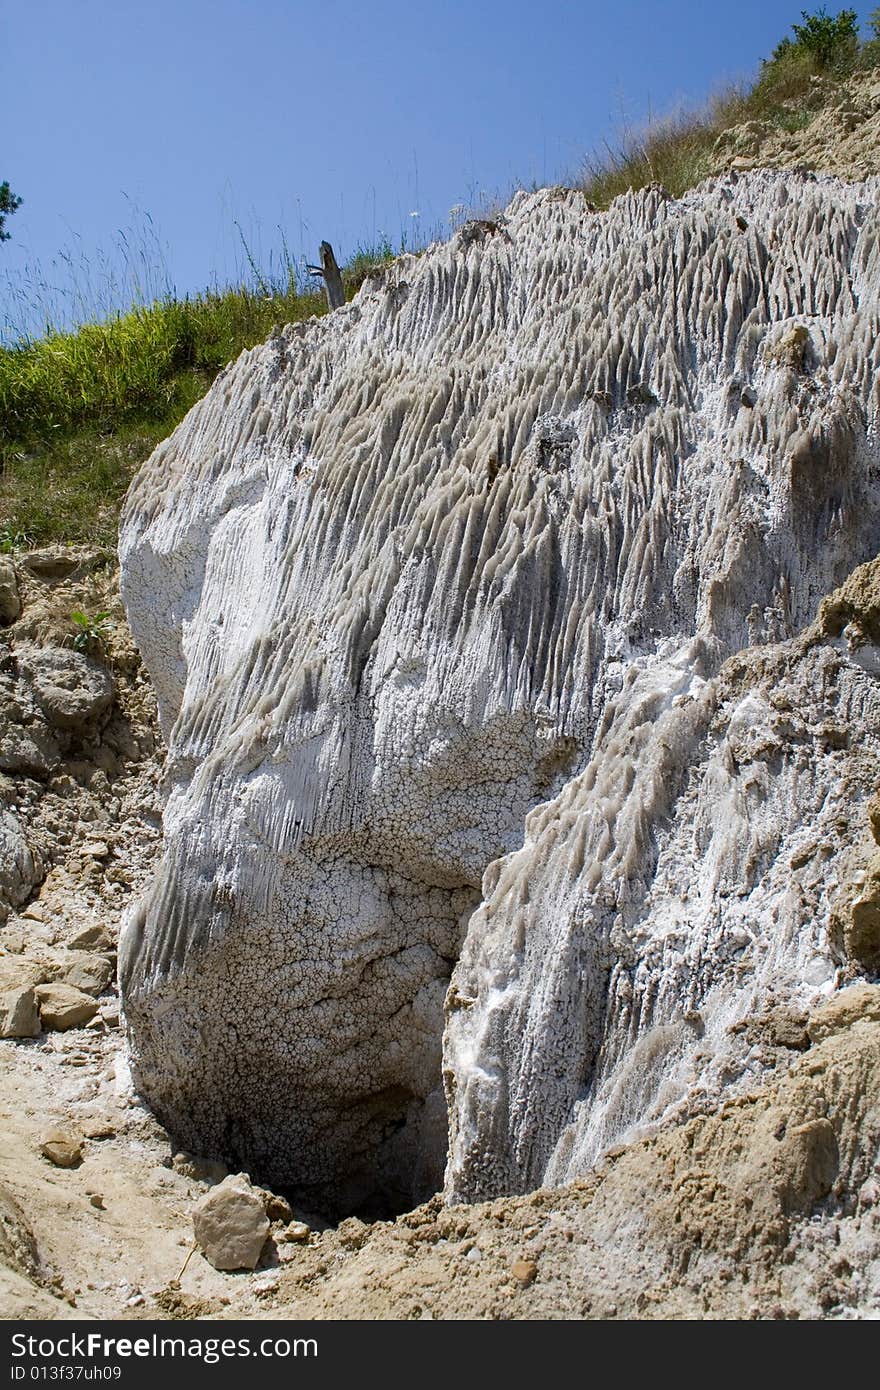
72 690
96 849
10 603
18 1246
842 1010
295 1232
99 1127
19 972
479 617
30 752
51 565
94 937
90 973
19 1015
230 1224
21 867
62 1006
61 1147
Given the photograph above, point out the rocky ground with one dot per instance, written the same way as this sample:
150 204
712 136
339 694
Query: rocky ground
841 135
769 1207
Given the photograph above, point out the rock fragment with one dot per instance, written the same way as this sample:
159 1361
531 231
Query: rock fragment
61 1147
230 1224
72 690
296 1232
525 1272
95 937
62 1006
10 603
89 973
844 1009
19 1015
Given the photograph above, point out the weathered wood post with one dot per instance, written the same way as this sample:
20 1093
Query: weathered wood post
331 274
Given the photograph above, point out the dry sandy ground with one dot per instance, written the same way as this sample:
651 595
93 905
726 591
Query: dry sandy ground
769 1208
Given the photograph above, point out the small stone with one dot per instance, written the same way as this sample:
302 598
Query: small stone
277 1208
525 1272
199 1169
110 1014
95 849
19 1015
62 1148
99 1129
97 1201
230 1224
62 1007
296 1231
474 1255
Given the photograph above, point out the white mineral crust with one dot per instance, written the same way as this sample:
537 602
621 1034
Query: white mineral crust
436 593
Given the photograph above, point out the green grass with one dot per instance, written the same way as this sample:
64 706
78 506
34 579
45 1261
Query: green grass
80 411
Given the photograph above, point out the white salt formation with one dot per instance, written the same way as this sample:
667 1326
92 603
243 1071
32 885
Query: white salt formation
436 593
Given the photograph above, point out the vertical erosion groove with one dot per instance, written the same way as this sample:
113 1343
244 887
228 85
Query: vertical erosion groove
437 595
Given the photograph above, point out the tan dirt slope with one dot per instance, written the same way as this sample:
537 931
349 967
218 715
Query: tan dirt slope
841 136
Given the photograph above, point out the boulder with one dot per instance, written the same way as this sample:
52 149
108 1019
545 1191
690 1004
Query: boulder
94 937
30 751
89 973
72 690
62 1006
50 565
19 972
230 1224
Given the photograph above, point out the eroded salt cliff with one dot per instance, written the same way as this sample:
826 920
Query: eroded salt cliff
441 596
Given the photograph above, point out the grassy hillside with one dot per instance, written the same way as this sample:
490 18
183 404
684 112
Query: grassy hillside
80 411
799 78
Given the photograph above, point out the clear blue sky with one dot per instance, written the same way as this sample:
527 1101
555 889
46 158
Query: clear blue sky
330 119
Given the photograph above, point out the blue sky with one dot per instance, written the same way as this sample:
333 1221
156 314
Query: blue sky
328 119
